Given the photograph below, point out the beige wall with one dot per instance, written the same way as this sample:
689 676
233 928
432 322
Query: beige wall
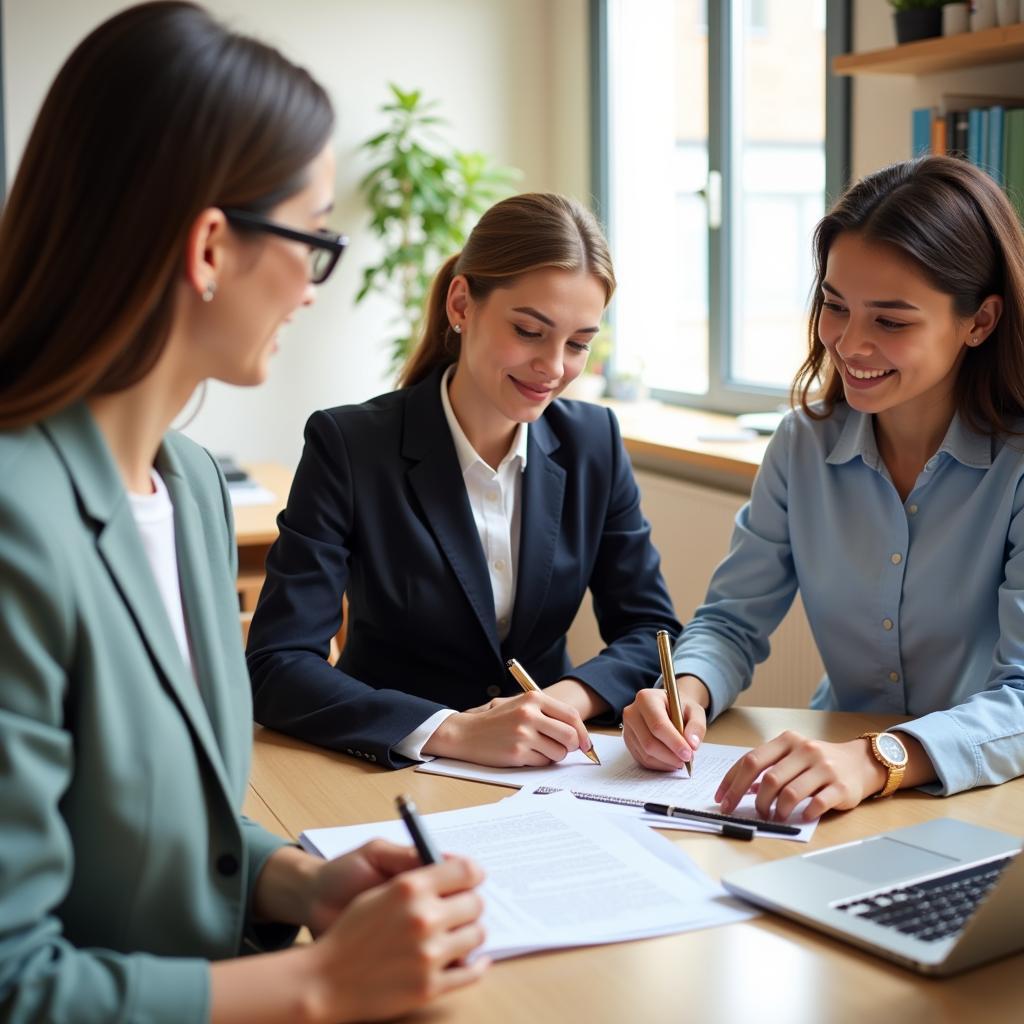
882 103
511 78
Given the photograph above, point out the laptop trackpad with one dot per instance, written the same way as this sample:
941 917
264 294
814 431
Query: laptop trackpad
883 860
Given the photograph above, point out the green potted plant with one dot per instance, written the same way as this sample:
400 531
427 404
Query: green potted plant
423 196
917 19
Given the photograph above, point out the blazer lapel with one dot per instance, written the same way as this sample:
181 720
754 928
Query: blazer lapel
102 496
437 482
202 614
543 494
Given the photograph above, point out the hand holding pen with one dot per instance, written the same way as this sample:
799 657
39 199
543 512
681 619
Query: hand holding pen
525 680
534 728
651 735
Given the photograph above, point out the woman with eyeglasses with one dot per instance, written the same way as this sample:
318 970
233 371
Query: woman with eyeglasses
465 517
166 220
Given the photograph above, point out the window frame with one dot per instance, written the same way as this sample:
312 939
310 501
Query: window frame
724 393
3 102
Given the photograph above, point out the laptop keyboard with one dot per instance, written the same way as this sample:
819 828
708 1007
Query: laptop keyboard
930 910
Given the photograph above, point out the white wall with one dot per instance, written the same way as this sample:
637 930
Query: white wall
882 103
511 76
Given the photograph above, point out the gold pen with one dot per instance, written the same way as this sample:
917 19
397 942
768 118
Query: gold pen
523 678
668 674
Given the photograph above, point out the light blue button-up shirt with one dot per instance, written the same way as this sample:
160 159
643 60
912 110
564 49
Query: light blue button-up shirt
917 606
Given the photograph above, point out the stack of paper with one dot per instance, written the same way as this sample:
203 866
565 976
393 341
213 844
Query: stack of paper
559 876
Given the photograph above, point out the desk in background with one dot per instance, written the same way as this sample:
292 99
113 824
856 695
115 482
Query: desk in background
256 530
767 970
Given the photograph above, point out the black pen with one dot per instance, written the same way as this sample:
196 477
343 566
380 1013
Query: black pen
414 823
687 812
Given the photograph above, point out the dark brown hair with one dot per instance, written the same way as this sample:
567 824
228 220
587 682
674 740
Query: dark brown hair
158 114
528 232
959 228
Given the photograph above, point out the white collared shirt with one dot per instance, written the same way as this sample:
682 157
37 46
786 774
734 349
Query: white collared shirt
495 497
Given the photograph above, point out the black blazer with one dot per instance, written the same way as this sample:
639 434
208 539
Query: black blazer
378 510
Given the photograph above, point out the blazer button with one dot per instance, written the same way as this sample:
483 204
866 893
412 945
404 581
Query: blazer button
493 691
227 865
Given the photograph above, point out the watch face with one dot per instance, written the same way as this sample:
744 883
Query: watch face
891 748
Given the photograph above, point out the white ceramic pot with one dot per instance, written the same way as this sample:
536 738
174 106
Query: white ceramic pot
956 18
1007 12
983 15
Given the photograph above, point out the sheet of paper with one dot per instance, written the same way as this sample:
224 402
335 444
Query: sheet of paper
558 876
246 493
620 776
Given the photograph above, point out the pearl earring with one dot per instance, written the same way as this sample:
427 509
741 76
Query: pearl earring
457 328
209 291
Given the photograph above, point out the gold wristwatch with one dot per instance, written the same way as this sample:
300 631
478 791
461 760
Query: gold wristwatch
890 752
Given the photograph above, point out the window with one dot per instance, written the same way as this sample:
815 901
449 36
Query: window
712 167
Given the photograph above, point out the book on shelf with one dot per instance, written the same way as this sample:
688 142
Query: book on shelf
1013 158
980 129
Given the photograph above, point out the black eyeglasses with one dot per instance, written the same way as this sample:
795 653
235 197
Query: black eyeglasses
325 247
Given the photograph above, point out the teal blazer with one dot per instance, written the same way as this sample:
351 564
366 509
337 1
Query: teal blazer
125 865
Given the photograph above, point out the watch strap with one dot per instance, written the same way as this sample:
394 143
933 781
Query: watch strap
895 771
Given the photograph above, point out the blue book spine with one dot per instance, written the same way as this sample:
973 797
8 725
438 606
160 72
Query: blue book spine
996 117
921 131
983 139
974 136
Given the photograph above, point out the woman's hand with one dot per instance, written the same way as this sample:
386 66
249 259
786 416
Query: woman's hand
400 944
651 737
338 882
793 768
528 729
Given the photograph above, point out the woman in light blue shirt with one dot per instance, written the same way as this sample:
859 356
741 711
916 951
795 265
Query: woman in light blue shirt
893 505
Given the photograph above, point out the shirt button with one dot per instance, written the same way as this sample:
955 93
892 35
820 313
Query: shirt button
886 624
492 495
493 691
499 565
912 509
227 865
896 558
929 465
894 677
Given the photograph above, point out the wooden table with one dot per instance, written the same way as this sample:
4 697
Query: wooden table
764 971
256 530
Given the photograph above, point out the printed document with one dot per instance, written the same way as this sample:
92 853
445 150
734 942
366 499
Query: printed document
559 876
618 775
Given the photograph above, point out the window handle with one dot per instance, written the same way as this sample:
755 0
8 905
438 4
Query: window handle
712 194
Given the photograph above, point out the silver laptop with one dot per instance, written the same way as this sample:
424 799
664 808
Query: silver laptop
937 897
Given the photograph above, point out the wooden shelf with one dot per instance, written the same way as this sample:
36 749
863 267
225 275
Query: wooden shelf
944 53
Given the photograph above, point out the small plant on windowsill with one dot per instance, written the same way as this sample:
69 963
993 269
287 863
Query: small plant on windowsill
423 196
626 381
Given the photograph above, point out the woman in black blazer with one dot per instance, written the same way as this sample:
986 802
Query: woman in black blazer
465 516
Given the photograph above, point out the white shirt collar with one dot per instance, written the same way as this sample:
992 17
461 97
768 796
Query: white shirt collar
466 453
